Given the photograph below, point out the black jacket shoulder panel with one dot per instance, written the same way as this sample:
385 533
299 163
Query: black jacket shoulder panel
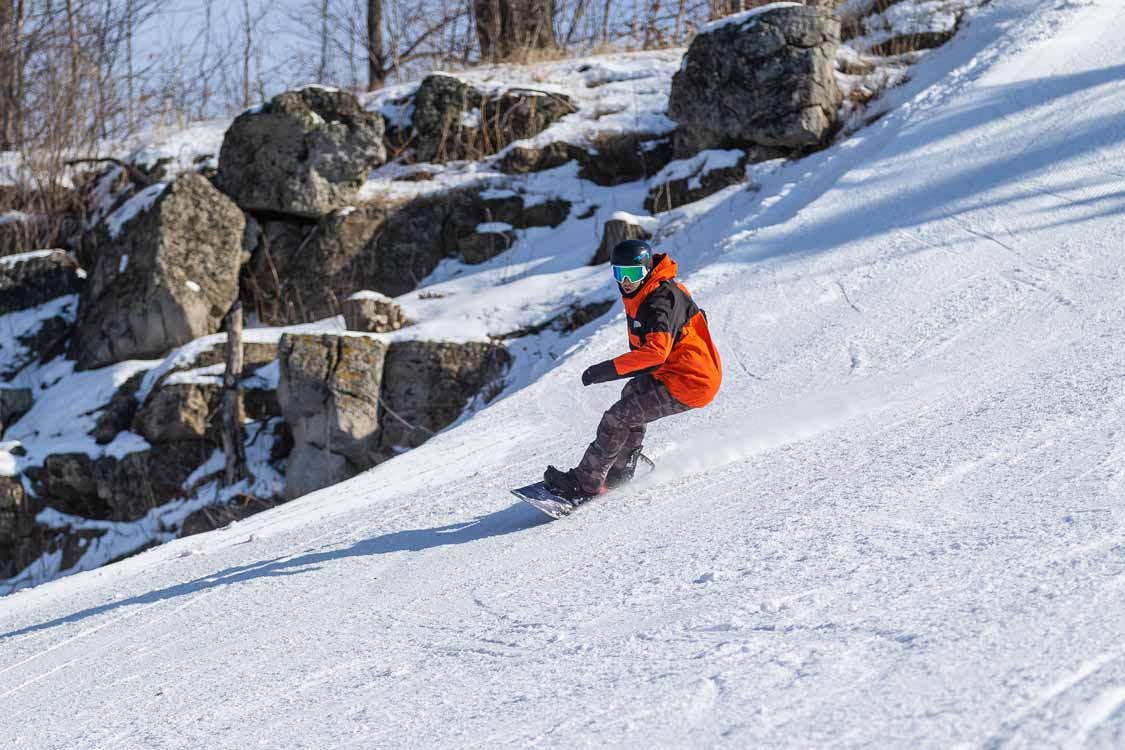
668 309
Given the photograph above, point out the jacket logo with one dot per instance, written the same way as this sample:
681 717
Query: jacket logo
636 324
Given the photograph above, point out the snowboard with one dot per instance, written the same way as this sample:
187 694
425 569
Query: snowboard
539 497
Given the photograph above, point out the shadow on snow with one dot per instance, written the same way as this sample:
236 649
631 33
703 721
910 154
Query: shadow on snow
515 518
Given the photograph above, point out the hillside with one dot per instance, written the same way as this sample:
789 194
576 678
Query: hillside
900 524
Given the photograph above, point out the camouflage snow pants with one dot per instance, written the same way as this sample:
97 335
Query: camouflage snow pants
644 399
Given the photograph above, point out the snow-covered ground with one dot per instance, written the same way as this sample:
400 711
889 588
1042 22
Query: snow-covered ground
900 524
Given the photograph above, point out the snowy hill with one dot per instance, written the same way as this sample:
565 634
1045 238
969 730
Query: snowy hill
900 524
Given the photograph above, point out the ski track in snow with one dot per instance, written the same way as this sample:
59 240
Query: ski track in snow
900 524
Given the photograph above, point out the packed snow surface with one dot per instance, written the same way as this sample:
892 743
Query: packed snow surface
900 524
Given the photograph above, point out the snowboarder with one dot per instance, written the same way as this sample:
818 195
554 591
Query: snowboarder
672 366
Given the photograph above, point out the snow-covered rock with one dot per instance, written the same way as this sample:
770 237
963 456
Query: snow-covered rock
304 153
169 276
765 77
35 278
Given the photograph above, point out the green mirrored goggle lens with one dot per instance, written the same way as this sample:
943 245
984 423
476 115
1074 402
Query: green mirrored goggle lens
632 273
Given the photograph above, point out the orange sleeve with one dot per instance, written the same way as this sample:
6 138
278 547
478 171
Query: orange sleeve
653 354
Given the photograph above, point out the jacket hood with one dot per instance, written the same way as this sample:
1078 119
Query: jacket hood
663 269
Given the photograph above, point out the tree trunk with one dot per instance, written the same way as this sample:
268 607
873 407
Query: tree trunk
233 447
376 56
9 70
507 28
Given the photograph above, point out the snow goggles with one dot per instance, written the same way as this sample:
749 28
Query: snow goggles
633 273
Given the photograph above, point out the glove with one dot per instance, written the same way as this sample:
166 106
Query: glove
602 372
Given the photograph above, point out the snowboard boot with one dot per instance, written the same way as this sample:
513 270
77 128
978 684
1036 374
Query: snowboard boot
565 485
621 476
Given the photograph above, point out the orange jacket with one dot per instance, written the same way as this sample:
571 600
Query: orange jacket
668 337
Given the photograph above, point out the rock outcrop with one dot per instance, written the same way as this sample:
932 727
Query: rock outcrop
620 227
304 153
14 402
329 395
169 276
420 234
610 160
32 279
764 78
704 174
453 120
304 271
428 384
371 312
19 543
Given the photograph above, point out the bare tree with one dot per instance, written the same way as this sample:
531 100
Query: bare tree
376 57
10 22
506 28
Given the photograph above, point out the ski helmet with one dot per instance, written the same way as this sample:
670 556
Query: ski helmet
631 253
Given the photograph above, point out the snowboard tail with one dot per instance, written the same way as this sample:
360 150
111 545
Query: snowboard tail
540 497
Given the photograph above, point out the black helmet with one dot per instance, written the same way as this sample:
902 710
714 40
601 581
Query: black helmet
632 253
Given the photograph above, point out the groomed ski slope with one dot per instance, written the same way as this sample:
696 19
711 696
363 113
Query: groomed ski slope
900 525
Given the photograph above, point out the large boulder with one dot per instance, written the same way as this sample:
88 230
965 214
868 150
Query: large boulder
304 153
35 278
453 121
428 384
762 77
166 273
329 395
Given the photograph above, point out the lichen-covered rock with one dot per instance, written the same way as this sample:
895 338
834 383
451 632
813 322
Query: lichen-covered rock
763 78
305 153
453 121
169 277
180 411
32 279
428 384
329 395
372 312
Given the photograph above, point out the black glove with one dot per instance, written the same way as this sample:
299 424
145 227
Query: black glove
602 372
